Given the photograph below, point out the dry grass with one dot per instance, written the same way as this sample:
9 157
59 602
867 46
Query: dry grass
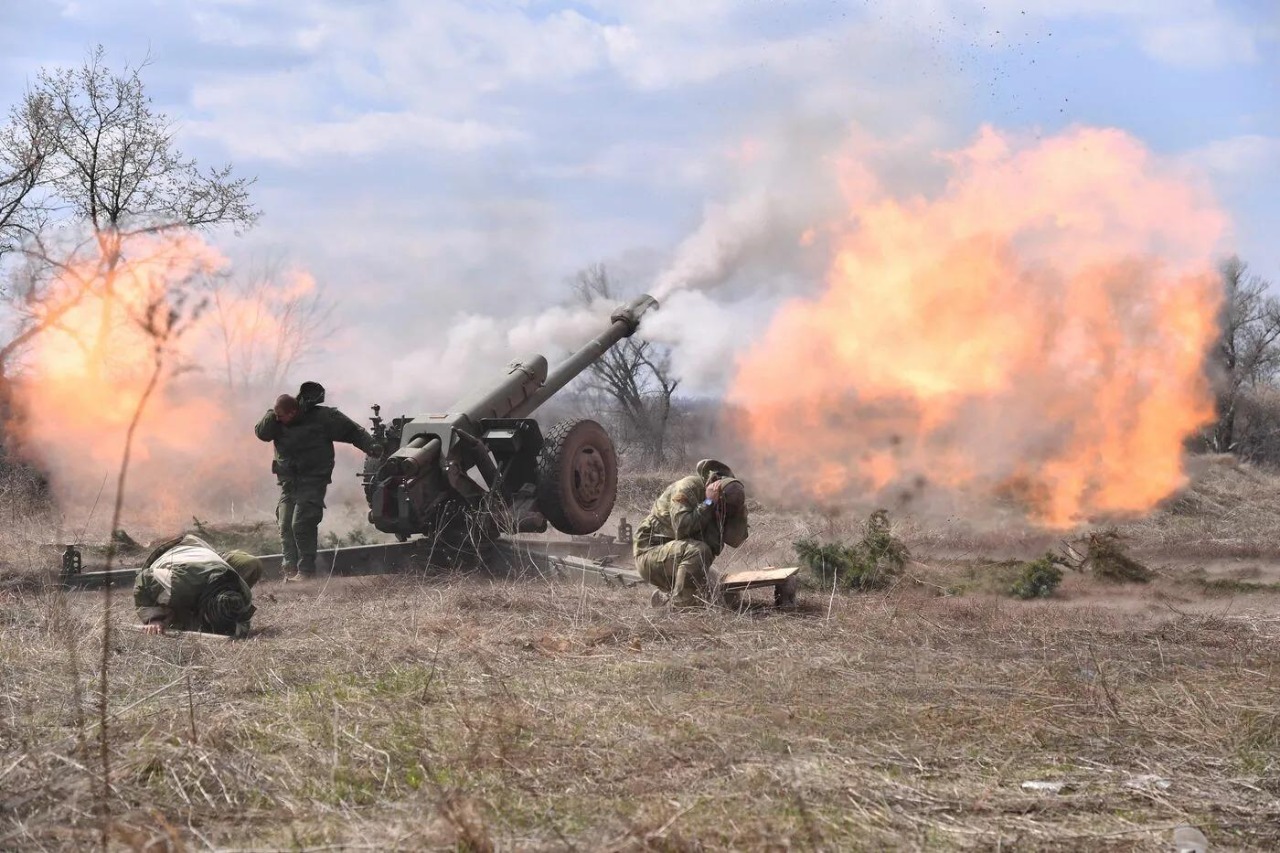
473 713
1229 509
468 712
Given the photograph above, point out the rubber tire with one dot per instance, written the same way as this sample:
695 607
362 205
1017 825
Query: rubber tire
558 477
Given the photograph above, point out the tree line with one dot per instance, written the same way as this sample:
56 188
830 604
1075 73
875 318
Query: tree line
1245 368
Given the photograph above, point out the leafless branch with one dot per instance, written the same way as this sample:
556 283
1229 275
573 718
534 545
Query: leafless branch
635 376
86 154
1248 352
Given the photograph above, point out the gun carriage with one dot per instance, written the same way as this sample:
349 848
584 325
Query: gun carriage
486 457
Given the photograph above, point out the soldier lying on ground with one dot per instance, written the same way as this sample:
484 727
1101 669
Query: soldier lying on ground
304 432
187 586
687 528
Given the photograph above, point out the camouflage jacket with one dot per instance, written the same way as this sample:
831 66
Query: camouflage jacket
304 448
176 581
680 512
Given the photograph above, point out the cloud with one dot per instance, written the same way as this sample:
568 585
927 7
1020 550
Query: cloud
273 138
1184 33
366 78
1243 170
460 77
1200 41
1247 157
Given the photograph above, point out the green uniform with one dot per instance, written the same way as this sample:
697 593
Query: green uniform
680 538
303 466
188 587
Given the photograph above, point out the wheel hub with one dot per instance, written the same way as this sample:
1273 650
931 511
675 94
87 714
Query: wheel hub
589 477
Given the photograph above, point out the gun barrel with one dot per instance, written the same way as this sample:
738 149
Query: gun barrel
625 321
522 381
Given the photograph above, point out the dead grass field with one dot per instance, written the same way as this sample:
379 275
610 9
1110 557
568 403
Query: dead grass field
470 712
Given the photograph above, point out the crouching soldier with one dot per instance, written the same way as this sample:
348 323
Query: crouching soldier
688 527
187 586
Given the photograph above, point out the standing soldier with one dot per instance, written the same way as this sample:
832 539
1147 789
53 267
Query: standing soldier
187 586
688 527
304 432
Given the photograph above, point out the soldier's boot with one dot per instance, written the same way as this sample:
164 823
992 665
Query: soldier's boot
682 592
686 599
306 568
288 573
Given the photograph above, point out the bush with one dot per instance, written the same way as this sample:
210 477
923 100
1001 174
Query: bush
124 542
1039 578
1109 561
357 536
872 563
1256 437
256 537
24 489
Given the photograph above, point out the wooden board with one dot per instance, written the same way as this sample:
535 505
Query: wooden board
768 576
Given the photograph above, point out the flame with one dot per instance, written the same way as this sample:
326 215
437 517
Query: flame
193 451
1035 331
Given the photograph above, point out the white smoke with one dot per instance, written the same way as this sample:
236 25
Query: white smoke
721 244
760 243
754 240
477 347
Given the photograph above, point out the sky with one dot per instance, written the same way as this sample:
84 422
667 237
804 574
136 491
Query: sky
434 162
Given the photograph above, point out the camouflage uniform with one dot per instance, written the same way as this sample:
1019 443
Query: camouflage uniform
676 544
303 467
188 586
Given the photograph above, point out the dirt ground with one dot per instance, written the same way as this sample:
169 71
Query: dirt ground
478 712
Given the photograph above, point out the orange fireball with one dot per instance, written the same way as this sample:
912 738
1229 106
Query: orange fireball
1036 331
193 452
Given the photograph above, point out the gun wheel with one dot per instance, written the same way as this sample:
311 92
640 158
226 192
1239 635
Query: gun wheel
577 477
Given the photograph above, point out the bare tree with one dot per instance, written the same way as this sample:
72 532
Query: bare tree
113 174
25 144
269 319
635 376
1248 352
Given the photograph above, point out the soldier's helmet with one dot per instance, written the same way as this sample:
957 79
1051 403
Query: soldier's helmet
227 612
311 394
247 566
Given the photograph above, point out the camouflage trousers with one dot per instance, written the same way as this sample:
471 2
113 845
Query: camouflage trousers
682 568
299 512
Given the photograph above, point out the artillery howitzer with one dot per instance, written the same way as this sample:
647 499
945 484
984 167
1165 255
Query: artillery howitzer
486 456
